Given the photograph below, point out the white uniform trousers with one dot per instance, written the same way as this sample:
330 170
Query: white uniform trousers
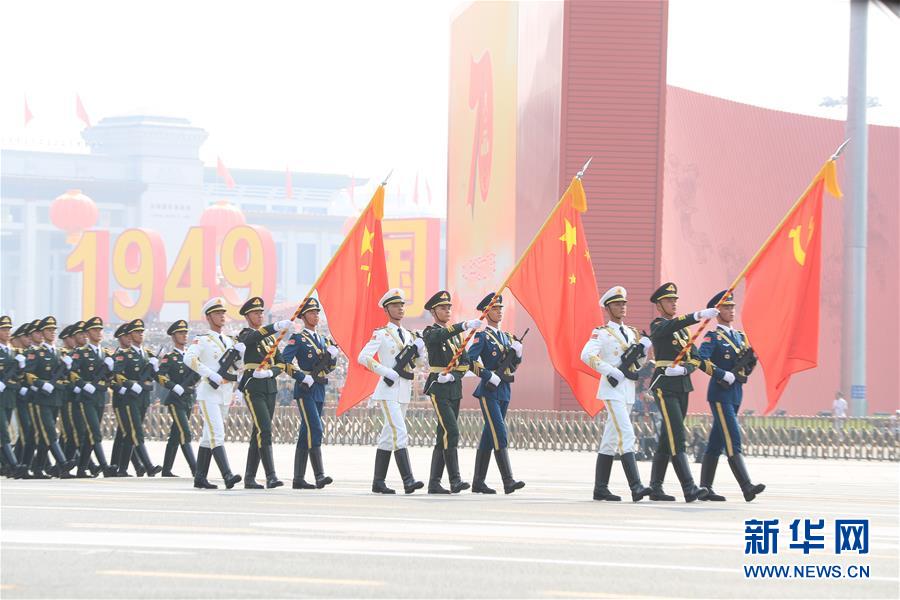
213 415
393 432
618 434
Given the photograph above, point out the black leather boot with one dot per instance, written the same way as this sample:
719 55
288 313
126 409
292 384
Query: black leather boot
9 457
63 465
222 461
144 456
509 482
629 465
382 462
268 462
139 469
451 459
200 481
739 469
169 459
251 468
482 461
657 476
108 469
410 485
315 459
84 457
683 471
437 472
708 475
300 455
601 479
188 452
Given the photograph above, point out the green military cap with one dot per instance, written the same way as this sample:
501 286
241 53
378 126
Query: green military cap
77 327
310 304
34 326
714 301
254 303
133 326
47 323
439 299
121 330
666 290
179 325
93 323
5 322
66 331
20 330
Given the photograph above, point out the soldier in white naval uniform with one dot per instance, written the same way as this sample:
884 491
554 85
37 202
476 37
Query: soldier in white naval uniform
603 352
393 400
203 356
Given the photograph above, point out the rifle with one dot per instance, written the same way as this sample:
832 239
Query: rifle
56 374
507 366
146 373
744 361
403 364
325 365
630 358
226 362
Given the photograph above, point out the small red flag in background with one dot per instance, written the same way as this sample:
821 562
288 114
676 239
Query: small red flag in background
781 303
555 283
350 289
80 112
222 171
288 183
28 115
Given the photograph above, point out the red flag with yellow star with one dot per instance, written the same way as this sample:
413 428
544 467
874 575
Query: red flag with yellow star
781 304
349 292
555 283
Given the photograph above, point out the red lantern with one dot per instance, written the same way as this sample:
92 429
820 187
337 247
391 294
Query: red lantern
73 212
220 218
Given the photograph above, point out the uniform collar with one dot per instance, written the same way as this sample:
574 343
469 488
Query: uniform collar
727 329
48 346
311 331
615 325
96 349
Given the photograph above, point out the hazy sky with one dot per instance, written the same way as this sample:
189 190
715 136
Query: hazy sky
361 87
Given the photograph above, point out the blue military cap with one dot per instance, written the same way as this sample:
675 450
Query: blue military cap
714 301
310 304
487 300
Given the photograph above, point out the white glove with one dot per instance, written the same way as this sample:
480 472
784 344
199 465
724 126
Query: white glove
77 390
675 371
445 377
420 346
108 361
516 345
2 387
262 373
20 358
728 377
308 381
89 388
617 374
645 342
240 347
155 362
67 360
47 387
472 324
386 372
23 390
706 313
333 350
282 325
121 390
178 389
136 388
215 378
494 380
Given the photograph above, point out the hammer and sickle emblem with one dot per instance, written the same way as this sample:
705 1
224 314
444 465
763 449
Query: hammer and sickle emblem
799 250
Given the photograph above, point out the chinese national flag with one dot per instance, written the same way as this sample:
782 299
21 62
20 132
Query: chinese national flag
222 171
555 283
350 290
781 304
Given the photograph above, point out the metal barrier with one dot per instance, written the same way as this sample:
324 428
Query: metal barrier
869 438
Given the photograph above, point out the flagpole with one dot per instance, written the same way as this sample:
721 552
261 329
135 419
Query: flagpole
502 287
281 334
821 174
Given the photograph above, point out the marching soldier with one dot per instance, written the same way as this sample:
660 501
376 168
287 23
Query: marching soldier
443 341
119 400
25 444
499 354
92 370
671 386
260 389
8 367
181 383
48 374
215 390
734 360
607 352
68 430
134 369
392 394
315 356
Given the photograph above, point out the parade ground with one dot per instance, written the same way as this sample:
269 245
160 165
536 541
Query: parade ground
160 538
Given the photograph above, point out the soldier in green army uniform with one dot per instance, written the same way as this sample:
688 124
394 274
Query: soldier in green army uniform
118 458
181 383
259 389
67 430
671 386
92 368
135 372
8 367
443 341
48 374
34 340
21 339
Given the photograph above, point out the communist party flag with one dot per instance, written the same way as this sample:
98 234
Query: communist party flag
554 282
781 304
350 289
